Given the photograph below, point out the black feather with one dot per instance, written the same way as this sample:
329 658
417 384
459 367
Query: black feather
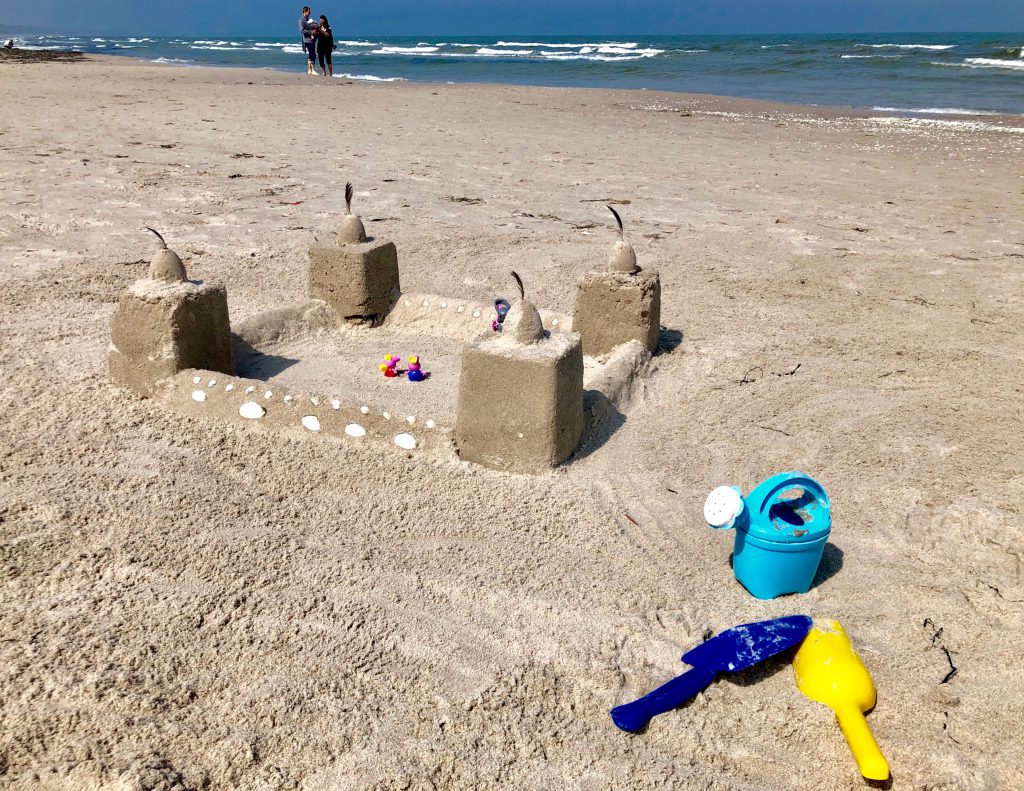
519 282
163 244
618 219
348 197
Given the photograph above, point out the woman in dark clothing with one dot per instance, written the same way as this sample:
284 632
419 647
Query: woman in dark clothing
325 46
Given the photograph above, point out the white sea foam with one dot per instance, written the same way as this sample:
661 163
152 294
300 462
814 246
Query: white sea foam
624 45
370 78
690 51
358 43
994 63
909 46
647 53
577 56
404 51
933 110
218 43
870 57
99 39
221 49
180 61
273 44
292 50
503 52
456 44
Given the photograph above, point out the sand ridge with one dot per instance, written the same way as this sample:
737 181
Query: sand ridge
193 605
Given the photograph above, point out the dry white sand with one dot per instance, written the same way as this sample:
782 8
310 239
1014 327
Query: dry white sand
192 605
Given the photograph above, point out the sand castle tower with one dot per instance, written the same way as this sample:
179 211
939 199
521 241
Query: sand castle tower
165 323
620 303
520 395
356 276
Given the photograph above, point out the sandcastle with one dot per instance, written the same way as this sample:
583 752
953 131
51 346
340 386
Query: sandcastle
527 399
620 303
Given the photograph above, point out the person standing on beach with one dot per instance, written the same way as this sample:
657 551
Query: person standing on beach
308 28
325 45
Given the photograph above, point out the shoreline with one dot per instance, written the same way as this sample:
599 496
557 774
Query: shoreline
730 103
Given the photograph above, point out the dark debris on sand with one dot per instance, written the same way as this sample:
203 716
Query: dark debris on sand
16 55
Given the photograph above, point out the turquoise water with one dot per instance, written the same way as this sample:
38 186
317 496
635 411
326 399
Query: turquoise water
930 73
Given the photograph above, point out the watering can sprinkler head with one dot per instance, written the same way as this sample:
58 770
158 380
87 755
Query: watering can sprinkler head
723 507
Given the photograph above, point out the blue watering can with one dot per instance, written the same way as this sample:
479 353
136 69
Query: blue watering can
781 530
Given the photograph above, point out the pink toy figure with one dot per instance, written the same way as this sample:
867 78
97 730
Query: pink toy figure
415 374
389 366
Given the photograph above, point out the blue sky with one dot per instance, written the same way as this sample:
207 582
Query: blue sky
465 17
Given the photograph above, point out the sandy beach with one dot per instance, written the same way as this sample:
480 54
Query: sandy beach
194 605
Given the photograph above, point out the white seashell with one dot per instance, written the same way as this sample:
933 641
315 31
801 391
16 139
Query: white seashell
426 303
314 401
355 430
199 395
287 399
269 394
411 420
312 422
444 305
212 383
196 379
554 322
386 415
520 435
335 403
431 424
405 441
365 410
250 410
228 388
460 308
408 302
476 314
250 389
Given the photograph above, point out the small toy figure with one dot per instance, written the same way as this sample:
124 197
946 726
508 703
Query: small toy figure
501 307
415 374
390 366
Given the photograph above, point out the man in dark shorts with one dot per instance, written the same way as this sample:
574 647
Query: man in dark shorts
308 28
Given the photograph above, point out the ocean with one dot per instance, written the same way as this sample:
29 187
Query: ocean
923 74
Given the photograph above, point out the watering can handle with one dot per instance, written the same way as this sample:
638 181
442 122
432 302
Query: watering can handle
866 753
769 490
634 716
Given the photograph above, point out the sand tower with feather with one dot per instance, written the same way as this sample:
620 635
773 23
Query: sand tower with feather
520 403
619 303
166 323
357 276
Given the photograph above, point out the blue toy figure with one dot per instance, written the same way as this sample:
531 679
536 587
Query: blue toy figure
781 530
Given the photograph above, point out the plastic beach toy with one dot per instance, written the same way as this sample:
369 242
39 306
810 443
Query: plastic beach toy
415 374
729 652
781 530
829 671
501 309
390 366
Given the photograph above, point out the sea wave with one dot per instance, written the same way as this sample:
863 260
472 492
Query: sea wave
404 51
994 63
180 61
503 52
909 46
370 78
561 56
647 53
933 110
358 43
624 45
873 57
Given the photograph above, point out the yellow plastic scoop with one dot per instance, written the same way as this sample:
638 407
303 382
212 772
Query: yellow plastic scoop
829 671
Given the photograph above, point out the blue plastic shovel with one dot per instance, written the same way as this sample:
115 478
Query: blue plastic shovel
729 652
